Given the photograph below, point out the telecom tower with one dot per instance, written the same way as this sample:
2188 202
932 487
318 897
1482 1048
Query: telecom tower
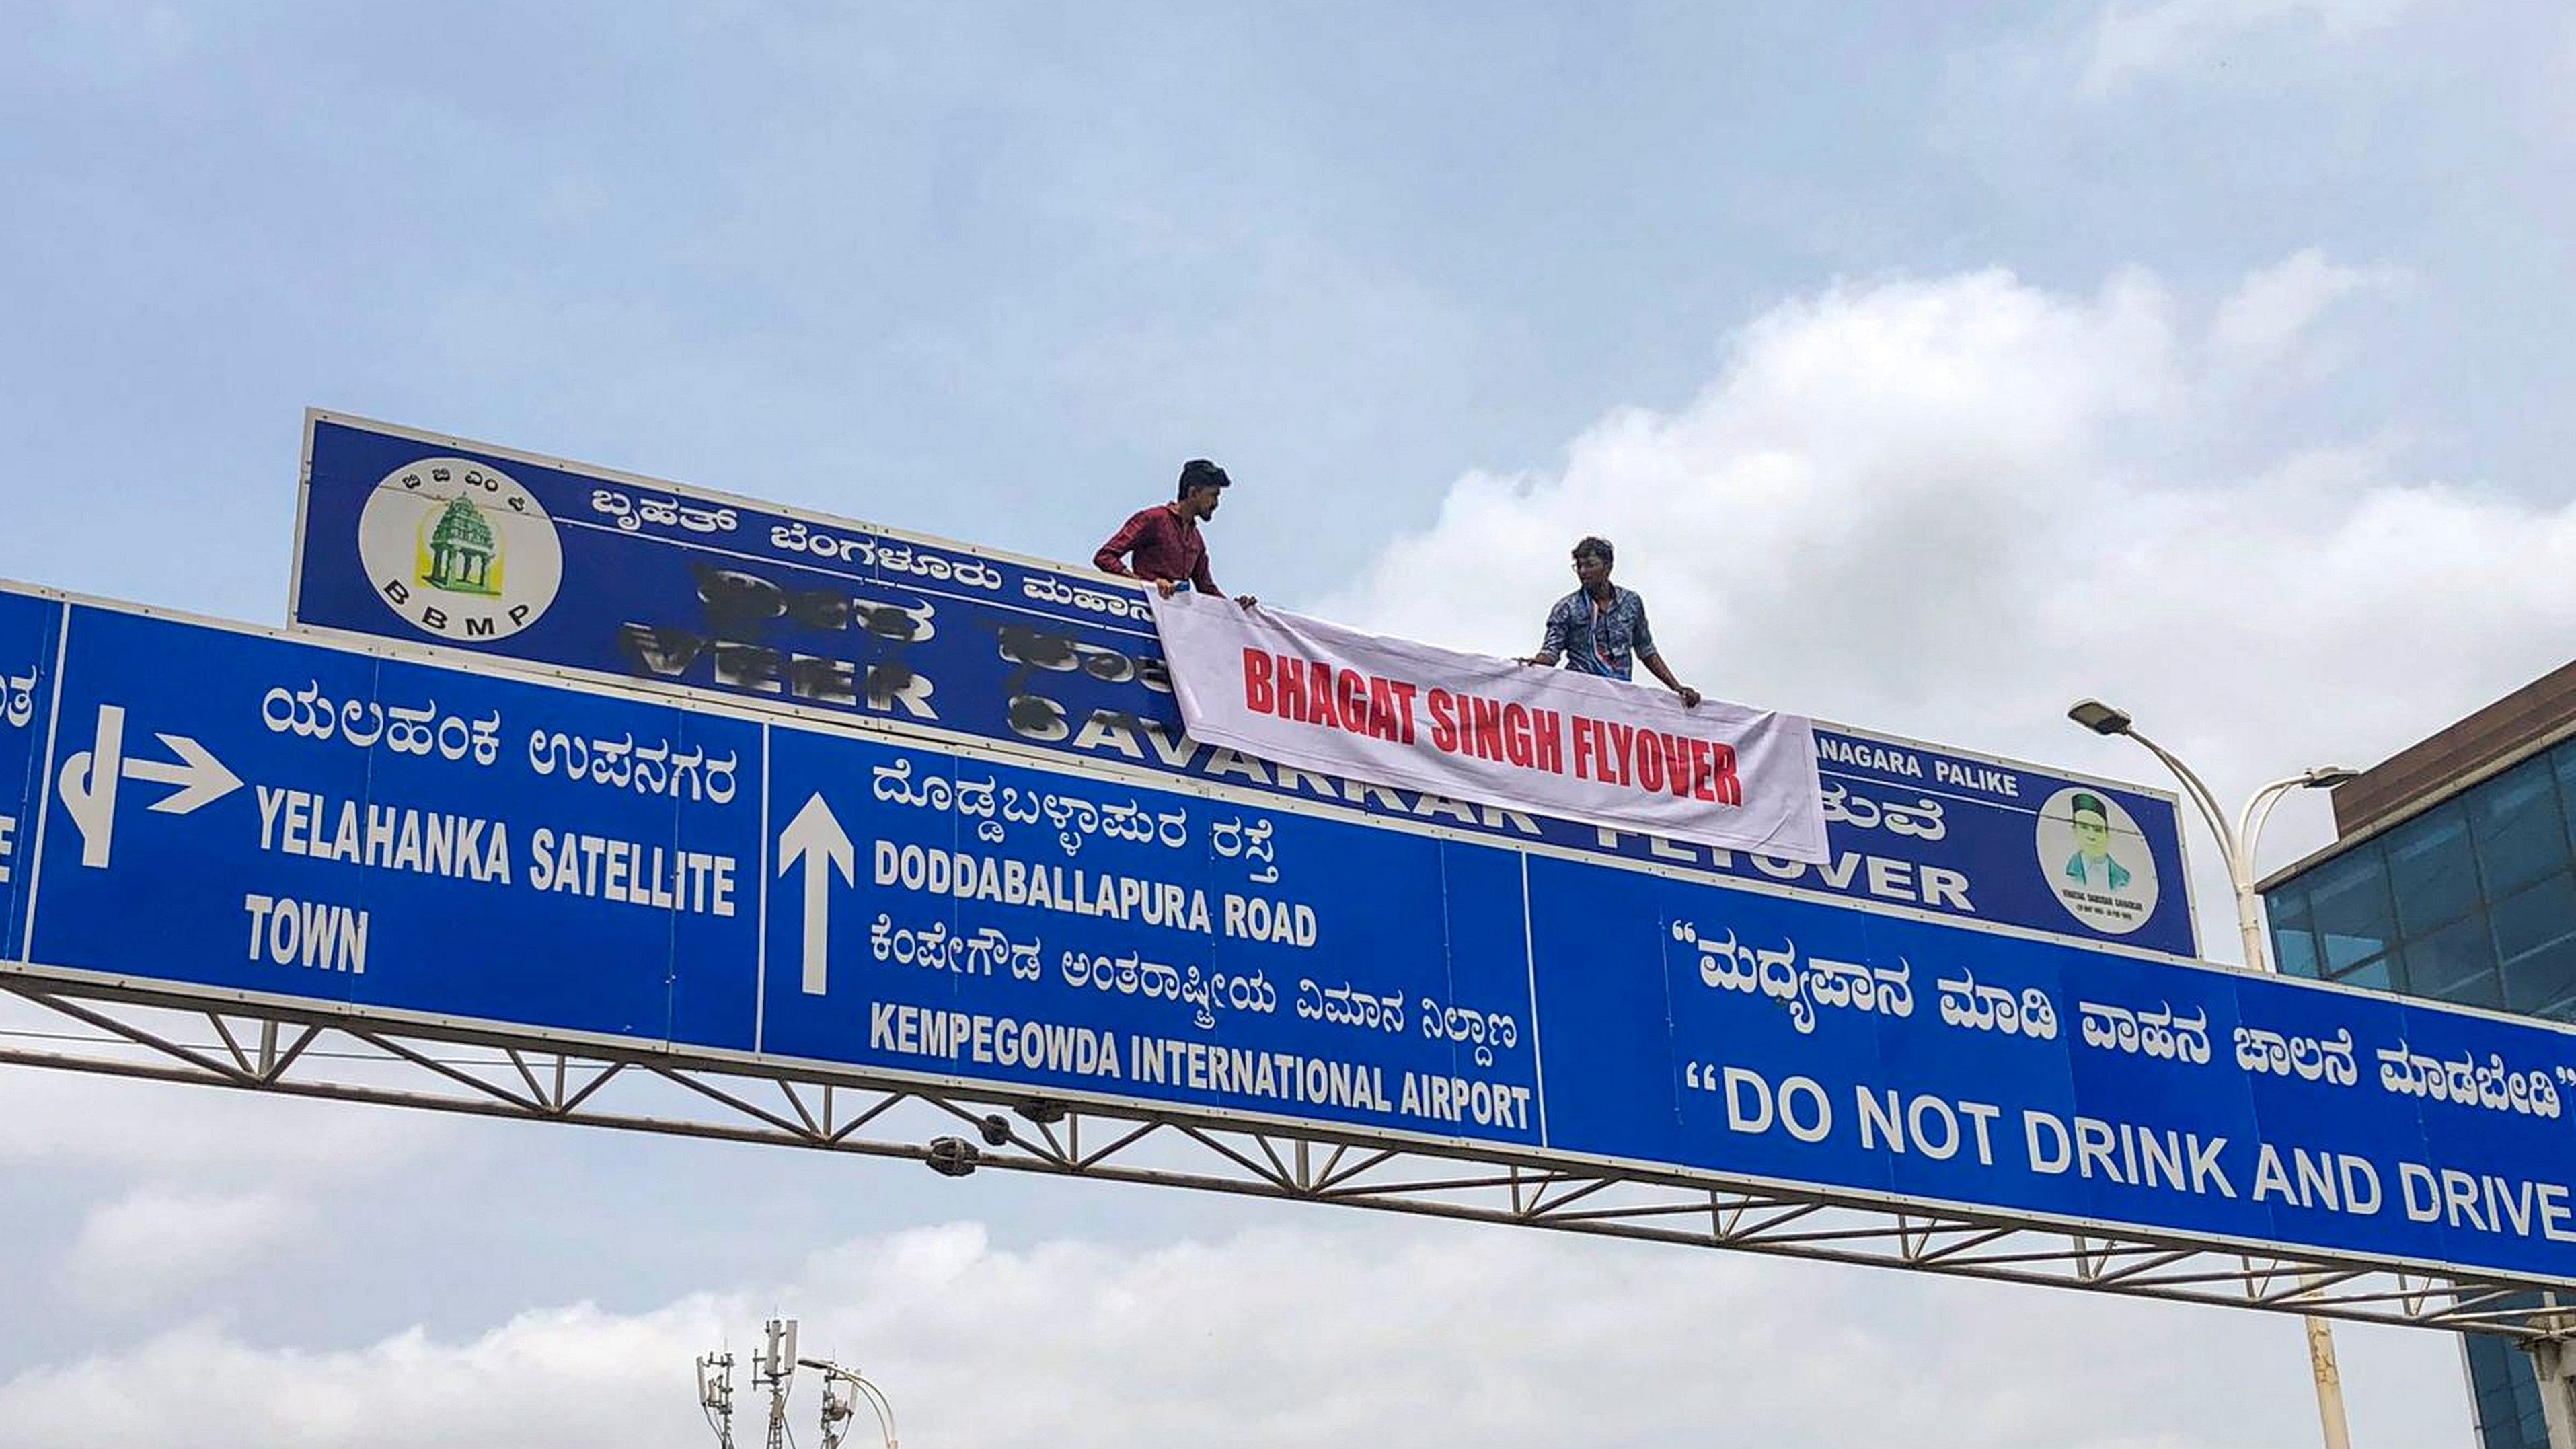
774 1369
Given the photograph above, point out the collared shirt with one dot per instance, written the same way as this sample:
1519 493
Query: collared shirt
1165 545
1598 638
2109 876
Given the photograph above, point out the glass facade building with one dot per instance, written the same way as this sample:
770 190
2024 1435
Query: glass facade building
2461 885
2471 901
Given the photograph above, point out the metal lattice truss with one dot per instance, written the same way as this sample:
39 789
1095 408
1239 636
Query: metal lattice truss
79 1022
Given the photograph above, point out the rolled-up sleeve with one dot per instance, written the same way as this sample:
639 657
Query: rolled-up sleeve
1111 559
1641 639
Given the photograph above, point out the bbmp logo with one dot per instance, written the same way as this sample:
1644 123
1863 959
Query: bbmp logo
460 550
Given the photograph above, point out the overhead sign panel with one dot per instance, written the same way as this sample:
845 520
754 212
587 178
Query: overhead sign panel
1880 1054
436 541
241 811
943 913
225 810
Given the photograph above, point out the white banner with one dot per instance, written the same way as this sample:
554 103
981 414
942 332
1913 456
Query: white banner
1303 692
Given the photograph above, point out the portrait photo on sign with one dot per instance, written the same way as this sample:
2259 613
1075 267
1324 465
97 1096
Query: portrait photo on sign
2096 861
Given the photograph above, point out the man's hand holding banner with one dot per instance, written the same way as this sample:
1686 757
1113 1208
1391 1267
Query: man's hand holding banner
1302 692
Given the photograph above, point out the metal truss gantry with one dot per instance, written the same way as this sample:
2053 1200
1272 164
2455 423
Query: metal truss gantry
72 1021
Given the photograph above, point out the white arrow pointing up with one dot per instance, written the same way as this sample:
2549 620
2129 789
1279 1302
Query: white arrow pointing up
816 838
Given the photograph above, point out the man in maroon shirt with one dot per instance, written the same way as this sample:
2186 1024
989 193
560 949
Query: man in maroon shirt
1164 540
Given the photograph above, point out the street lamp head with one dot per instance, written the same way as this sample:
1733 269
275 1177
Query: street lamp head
2326 777
2098 717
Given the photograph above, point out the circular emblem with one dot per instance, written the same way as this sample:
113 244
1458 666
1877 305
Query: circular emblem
460 550
2095 860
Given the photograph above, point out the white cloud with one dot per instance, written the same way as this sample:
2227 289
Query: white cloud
1946 508
154 1243
2132 38
154 1128
1863 447
2271 310
1427 1337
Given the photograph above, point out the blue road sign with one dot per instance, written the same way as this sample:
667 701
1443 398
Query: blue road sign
242 811
950 914
221 810
435 541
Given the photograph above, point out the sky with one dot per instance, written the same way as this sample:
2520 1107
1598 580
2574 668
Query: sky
1934 365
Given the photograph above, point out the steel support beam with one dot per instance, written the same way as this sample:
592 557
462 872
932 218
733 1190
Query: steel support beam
75 1022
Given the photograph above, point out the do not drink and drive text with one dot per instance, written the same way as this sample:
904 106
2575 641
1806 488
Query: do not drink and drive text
2136 1155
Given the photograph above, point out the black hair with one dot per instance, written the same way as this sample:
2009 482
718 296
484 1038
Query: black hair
1597 546
1200 473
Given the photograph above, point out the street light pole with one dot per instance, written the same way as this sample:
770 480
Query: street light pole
2236 852
842 1389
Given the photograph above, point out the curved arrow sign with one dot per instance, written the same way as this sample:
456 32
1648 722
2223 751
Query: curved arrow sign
89 780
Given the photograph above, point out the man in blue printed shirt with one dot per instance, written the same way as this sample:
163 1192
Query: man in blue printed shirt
1600 628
